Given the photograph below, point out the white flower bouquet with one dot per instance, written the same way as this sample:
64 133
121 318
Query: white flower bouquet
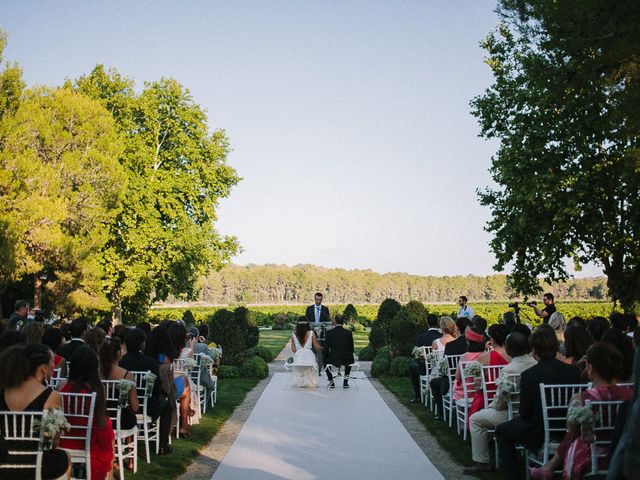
444 366
123 387
189 364
205 360
474 370
583 416
151 380
504 388
53 422
431 359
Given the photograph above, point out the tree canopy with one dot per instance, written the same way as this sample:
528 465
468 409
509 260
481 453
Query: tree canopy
565 107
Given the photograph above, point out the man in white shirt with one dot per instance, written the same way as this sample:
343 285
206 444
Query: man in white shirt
464 310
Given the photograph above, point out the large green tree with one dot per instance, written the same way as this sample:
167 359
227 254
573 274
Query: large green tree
565 106
164 238
60 185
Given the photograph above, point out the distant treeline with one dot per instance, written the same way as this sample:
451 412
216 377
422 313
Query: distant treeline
281 285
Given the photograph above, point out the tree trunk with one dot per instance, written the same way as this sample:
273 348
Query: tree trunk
116 311
37 292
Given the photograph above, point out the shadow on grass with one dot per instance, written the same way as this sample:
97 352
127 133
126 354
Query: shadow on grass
231 392
458 449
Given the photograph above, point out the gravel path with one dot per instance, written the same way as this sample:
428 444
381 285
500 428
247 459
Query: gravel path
205 464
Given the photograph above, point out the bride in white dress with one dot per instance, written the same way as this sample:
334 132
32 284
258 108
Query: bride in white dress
305 367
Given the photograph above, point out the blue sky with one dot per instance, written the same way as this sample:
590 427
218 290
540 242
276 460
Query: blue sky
349 121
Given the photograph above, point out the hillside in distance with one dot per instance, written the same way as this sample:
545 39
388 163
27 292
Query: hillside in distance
280 284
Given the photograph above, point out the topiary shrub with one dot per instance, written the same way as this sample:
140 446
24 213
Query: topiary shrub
229 334
350 314
381 364
247 323
264 353
400 366
188 318
367 354
228 371
254 367
410 319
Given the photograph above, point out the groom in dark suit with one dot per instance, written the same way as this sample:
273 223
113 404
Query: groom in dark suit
317 313
338 351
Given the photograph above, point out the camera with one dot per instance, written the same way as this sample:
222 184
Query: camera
514 305
532 304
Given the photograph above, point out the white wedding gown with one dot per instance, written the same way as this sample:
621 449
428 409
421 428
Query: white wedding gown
304 367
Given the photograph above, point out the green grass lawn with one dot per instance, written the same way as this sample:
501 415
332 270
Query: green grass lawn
274 340
360 340
231 392
449 440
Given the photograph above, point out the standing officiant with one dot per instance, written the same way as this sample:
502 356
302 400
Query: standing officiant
317 312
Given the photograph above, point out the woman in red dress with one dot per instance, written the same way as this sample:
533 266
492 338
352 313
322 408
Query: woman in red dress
495 357
84 378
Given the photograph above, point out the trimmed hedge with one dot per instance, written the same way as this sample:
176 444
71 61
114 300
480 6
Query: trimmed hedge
254 367
367 354
228 371
400 366
380 364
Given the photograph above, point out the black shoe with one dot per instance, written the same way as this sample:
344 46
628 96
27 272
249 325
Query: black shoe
345 385
166 450
416 400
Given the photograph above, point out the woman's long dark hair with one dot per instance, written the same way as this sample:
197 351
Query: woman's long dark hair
84 374
158 342
301 329
109 355
19 362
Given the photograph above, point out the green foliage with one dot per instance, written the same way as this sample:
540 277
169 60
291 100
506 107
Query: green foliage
60 183
381 362
227 332
564 107
188 318
164 237
228 371
378 336
350 314
246 321
356 327
388 309
405 325
254 367
367 354
400 366
262 352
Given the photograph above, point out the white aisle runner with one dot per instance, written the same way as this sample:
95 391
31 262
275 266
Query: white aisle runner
295 433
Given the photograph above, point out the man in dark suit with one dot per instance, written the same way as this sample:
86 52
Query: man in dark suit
317 312
338 351
528 428
158 405
78 329
417 367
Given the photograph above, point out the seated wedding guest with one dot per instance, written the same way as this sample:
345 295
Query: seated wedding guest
161 403
121 332
619 321
33 332
602 364
52 337
107 327
481 324
495 357
200 347
145 327
576 321
78 331
558 323
475 347
528 428
439 386
161 347
95 338
522 329
417 367
597 326
84 378
23 371
110 356
577 340
65 329
10 338
448 329
517 347
624 344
